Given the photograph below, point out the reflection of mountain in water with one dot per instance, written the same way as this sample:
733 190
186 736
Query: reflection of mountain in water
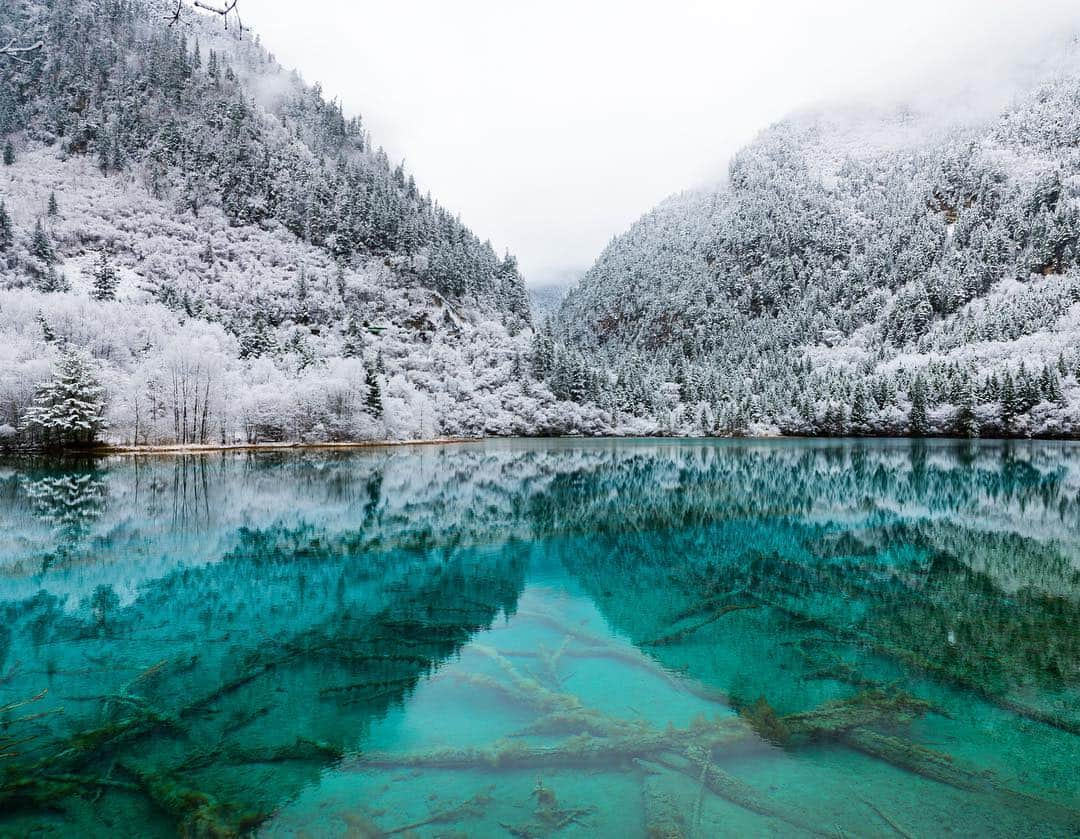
854 564
239 679
479 493
232 624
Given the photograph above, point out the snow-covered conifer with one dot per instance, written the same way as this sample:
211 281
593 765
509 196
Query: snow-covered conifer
69 408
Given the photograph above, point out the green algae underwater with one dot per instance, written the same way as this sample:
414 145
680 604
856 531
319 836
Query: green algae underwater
544 639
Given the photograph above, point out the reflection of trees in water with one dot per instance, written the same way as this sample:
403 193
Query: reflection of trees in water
959 623
710 484
72 502
270 664
477 494
180 490
844 562
862 602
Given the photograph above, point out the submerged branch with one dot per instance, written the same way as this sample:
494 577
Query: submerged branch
677 635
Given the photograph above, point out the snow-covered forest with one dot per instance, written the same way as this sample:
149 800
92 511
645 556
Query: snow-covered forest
197 247
860 272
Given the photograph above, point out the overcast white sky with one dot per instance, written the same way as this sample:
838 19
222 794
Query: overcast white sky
550 126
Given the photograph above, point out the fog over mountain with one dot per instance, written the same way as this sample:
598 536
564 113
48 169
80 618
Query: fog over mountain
860 270
552 127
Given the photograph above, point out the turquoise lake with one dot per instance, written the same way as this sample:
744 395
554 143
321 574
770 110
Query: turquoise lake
544 639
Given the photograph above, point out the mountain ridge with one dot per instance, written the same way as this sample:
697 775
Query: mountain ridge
849 268
256 246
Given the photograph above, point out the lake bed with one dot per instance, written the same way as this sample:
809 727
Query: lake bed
545 638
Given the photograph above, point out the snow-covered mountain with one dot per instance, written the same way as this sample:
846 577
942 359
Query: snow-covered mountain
859 271
239 258
545 299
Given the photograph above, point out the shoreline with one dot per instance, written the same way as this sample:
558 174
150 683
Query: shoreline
211 448
214 448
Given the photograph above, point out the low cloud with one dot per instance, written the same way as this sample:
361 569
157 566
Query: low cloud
552 127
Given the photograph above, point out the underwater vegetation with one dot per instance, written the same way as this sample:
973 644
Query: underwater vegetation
540 639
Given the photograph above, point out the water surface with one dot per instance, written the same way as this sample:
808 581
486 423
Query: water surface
532 639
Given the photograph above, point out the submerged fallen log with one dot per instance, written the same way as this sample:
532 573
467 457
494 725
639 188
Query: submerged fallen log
944 769
866 708
45 791
522 687
299 751
889 820
915 758
575 752
664 818
196 813
615 746
728 787
633 657
84 747
11 743
696 750
472 808
373 687
911 658
680 634
931 668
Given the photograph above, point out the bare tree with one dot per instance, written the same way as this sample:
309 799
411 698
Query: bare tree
229 8
10 50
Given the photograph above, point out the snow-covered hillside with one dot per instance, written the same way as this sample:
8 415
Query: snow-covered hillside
268 273
545 300
197 247
858 272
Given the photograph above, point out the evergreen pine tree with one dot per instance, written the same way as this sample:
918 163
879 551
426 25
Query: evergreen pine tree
301 297
255 342
858 410
104 155
967 424
543 353
68 409
105 280
353 344
7 235
1010 403
53 207
9 153
373 400
919 418
40 246
119 158
1050 385
53 281
47 333
1028 389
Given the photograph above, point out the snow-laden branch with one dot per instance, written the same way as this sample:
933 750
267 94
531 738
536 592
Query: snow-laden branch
9 49
218 10
229 8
